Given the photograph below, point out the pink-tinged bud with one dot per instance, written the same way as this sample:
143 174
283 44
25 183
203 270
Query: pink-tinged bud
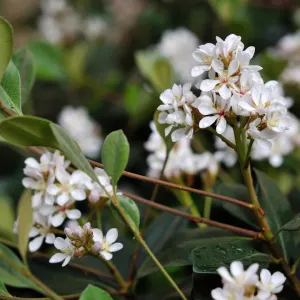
87 226
68 231
96 247
78 232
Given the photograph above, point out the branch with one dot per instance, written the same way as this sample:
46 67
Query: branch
251 233
178 187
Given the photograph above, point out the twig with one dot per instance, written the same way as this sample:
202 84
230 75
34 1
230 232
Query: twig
179 187
251 233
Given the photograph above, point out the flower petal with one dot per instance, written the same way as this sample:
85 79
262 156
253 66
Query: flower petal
58 257
106 255
50 238
115 247
221 127
111 235
36 243
58 219
207 121
97 235
67 260
208 85
73 214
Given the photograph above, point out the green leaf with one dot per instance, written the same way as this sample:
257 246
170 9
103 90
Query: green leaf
94 293
6 45
237 191
25 221
72 151
207 258
27 131
277 211
48 61
10 90
161 130
32 131
156 69
292 225
130 208
7 217
4 291
115 154
23 60
9 274
178 252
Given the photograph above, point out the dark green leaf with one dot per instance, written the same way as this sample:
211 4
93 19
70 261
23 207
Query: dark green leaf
25 222
130 208
24 62
292 225
4 291
237 191
48 61
6 44
11 276
207 258
178 253
115 154
72 151
10 90
27 131
94 293
277 210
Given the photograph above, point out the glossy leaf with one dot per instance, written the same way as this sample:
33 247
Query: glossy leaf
277 211
94 293
207 258
71 149
24 62
4 291
6 45
48 60
115 154
11 276
27 131
178 253
10 90
25 221
236 191
131 210
292 225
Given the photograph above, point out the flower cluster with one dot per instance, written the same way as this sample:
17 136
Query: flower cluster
85 240
234 94
178 45
82 128
240 284
60 23
55 193
181 158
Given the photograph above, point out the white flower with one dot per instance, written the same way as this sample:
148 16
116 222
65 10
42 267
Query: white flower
70 187
94 28
82 128
96 191
229 292
204 55
225 80
261 137
53 7
40 232
215 109
67 249
229 46
59 214
239 276
178 45
277 118
176 110
107 243
270 284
